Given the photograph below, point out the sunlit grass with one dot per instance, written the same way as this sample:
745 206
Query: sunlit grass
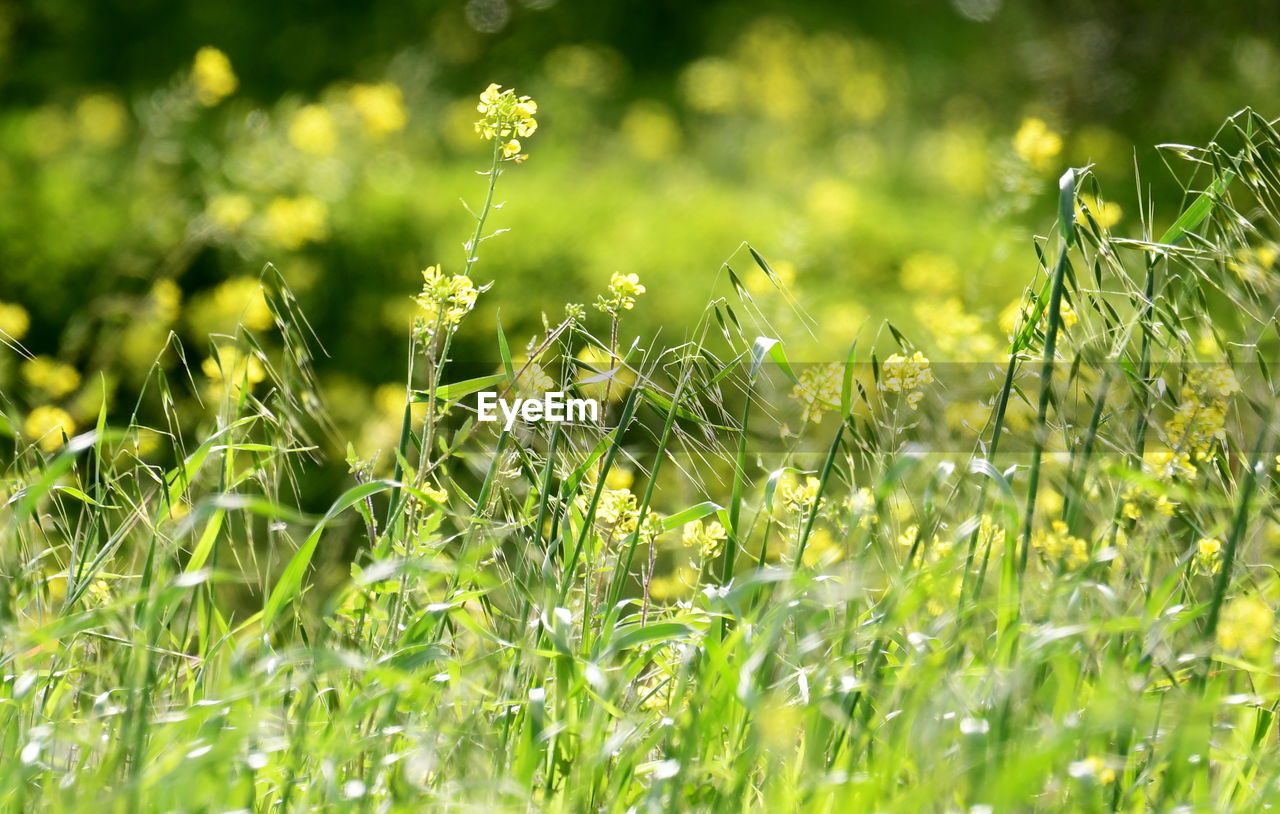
755 584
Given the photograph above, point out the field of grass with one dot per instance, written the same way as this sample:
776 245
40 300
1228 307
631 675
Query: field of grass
863 582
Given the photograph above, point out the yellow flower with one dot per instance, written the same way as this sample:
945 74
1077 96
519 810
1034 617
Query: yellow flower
708 539
1246 625
817 390
900 374
312 131
444 300
505 115
100 119
47 425
55 378
800 498
229 211
1208 556
1036 144
212 76
14 321
438 495
1092 768
381 107
293 222
1059 545
623 290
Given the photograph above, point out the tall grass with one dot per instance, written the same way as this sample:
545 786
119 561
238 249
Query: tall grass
1064 606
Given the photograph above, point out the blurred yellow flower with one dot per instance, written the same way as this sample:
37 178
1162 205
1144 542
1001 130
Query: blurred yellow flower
54 377
1036 144
293 222
832 203
47 425
229 211
929 272
1246 625
710 85
1106 213
650 131
230 369
312 130
100 119
212 76
14 321
602 373
381 107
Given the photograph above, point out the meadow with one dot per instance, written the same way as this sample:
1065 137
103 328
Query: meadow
862 580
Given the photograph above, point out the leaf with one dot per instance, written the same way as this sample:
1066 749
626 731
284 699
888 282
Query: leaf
846 383
690 514
772 348
457 390
635 635
505 351
1199 209
290 582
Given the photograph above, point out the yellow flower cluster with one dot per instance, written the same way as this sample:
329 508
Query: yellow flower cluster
1140 504
1199 422
1208 558
381 107
623 290
1246 626
959 334
800 497
46 425
708 539
55 378
618 511
212 76
1036 144
900 374
294 222
1059 545
444 300
508 117
817 390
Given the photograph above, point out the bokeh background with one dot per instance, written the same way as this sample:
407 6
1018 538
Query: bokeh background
892 160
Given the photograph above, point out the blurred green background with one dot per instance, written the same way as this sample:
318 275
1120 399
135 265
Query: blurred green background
892 160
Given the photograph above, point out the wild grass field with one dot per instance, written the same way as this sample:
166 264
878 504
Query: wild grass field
866 580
